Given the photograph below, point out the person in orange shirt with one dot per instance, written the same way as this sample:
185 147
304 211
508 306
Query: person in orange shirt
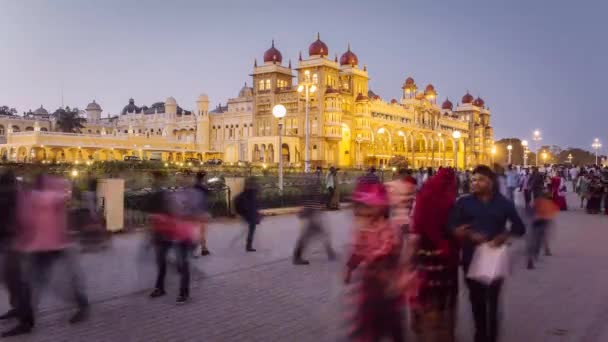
545 211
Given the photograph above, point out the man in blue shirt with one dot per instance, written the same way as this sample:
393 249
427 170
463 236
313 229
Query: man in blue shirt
481 218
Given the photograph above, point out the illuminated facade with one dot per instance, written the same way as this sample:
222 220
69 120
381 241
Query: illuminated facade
349 125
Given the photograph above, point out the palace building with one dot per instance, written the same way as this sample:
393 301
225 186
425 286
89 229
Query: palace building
349 125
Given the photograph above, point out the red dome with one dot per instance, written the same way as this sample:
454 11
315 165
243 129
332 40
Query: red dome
394 101
349 58
467 98
318 48
409 83
273 55
361 97
478 102
429 89
447 104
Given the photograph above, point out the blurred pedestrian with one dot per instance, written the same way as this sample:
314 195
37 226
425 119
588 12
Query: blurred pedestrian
574 173
596 191
12 272
43 240
402 193
312 228
204 191
333 192
246 205
376 251
512 181
559 190
175 224
435 259
524 182
545 210
481 218
582 187
536 183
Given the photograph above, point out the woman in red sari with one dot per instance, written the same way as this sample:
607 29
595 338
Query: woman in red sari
558 191
435 259
375 256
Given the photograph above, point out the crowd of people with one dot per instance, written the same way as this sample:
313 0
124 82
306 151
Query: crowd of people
411 236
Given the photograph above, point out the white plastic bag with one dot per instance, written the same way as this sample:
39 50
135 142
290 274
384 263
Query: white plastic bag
489 264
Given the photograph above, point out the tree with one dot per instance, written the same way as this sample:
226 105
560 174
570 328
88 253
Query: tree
579 156
69 120
5 110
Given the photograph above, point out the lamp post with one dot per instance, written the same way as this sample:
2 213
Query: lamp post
536 139
279 112
544 157
359 139
596 146
308 88
510 149
456 135
524 144
570 158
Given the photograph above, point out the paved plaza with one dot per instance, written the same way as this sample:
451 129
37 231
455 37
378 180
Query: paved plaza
239 296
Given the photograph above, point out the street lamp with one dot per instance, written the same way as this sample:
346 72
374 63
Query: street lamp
359 139
596 146
536 139
510 148
308 88
456 135
524 143
279 112
570 158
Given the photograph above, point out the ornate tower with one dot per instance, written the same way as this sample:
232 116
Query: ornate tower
202 122
270 81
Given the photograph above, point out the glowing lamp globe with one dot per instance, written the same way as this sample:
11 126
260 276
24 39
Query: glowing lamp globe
279 111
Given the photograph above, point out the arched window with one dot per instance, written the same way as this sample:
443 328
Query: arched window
315 78
261 85
1 130
268 84
29 129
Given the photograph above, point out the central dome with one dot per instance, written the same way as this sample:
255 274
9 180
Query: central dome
349 58
318 48
273 55
467 98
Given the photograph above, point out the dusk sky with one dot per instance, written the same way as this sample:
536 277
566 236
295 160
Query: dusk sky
537 64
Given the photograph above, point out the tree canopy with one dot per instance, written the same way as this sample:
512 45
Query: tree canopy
6 110
69 120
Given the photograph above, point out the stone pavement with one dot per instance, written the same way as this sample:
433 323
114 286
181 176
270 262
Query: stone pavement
239 296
